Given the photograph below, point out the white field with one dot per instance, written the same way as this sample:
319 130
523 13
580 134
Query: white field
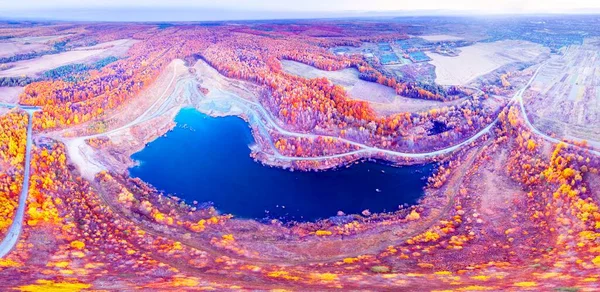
114 48
440 37
10 94
482 58
382 99
80 55
8 49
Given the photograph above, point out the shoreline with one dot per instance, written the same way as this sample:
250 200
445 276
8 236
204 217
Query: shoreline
122 144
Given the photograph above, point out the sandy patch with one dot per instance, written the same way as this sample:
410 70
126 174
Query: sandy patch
80 55
482 58
440 37
219 84
82 155
149 100
10 94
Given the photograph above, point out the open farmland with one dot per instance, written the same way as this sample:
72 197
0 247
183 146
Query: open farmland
565 97
32 67
481 58
23 45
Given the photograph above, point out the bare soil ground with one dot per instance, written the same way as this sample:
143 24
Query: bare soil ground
565 96
212 79
10 94
383 99
495 188
482 58
81 55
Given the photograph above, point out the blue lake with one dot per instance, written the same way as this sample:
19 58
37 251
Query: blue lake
207 159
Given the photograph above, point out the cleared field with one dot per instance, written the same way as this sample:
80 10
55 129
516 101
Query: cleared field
113 48
10 94
565 96
14 46
345 77
373 92
440 37
383 99
80 55
482 58
404 104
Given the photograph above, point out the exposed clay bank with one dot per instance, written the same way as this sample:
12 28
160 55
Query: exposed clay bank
207 159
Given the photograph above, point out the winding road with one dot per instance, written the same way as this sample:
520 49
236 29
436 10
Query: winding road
264 120
259 111
12 236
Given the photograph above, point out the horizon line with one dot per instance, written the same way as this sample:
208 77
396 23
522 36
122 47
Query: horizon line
30 15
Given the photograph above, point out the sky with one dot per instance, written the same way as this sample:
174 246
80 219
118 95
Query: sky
268 9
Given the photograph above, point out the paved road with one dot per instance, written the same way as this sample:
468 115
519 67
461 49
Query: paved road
12 236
